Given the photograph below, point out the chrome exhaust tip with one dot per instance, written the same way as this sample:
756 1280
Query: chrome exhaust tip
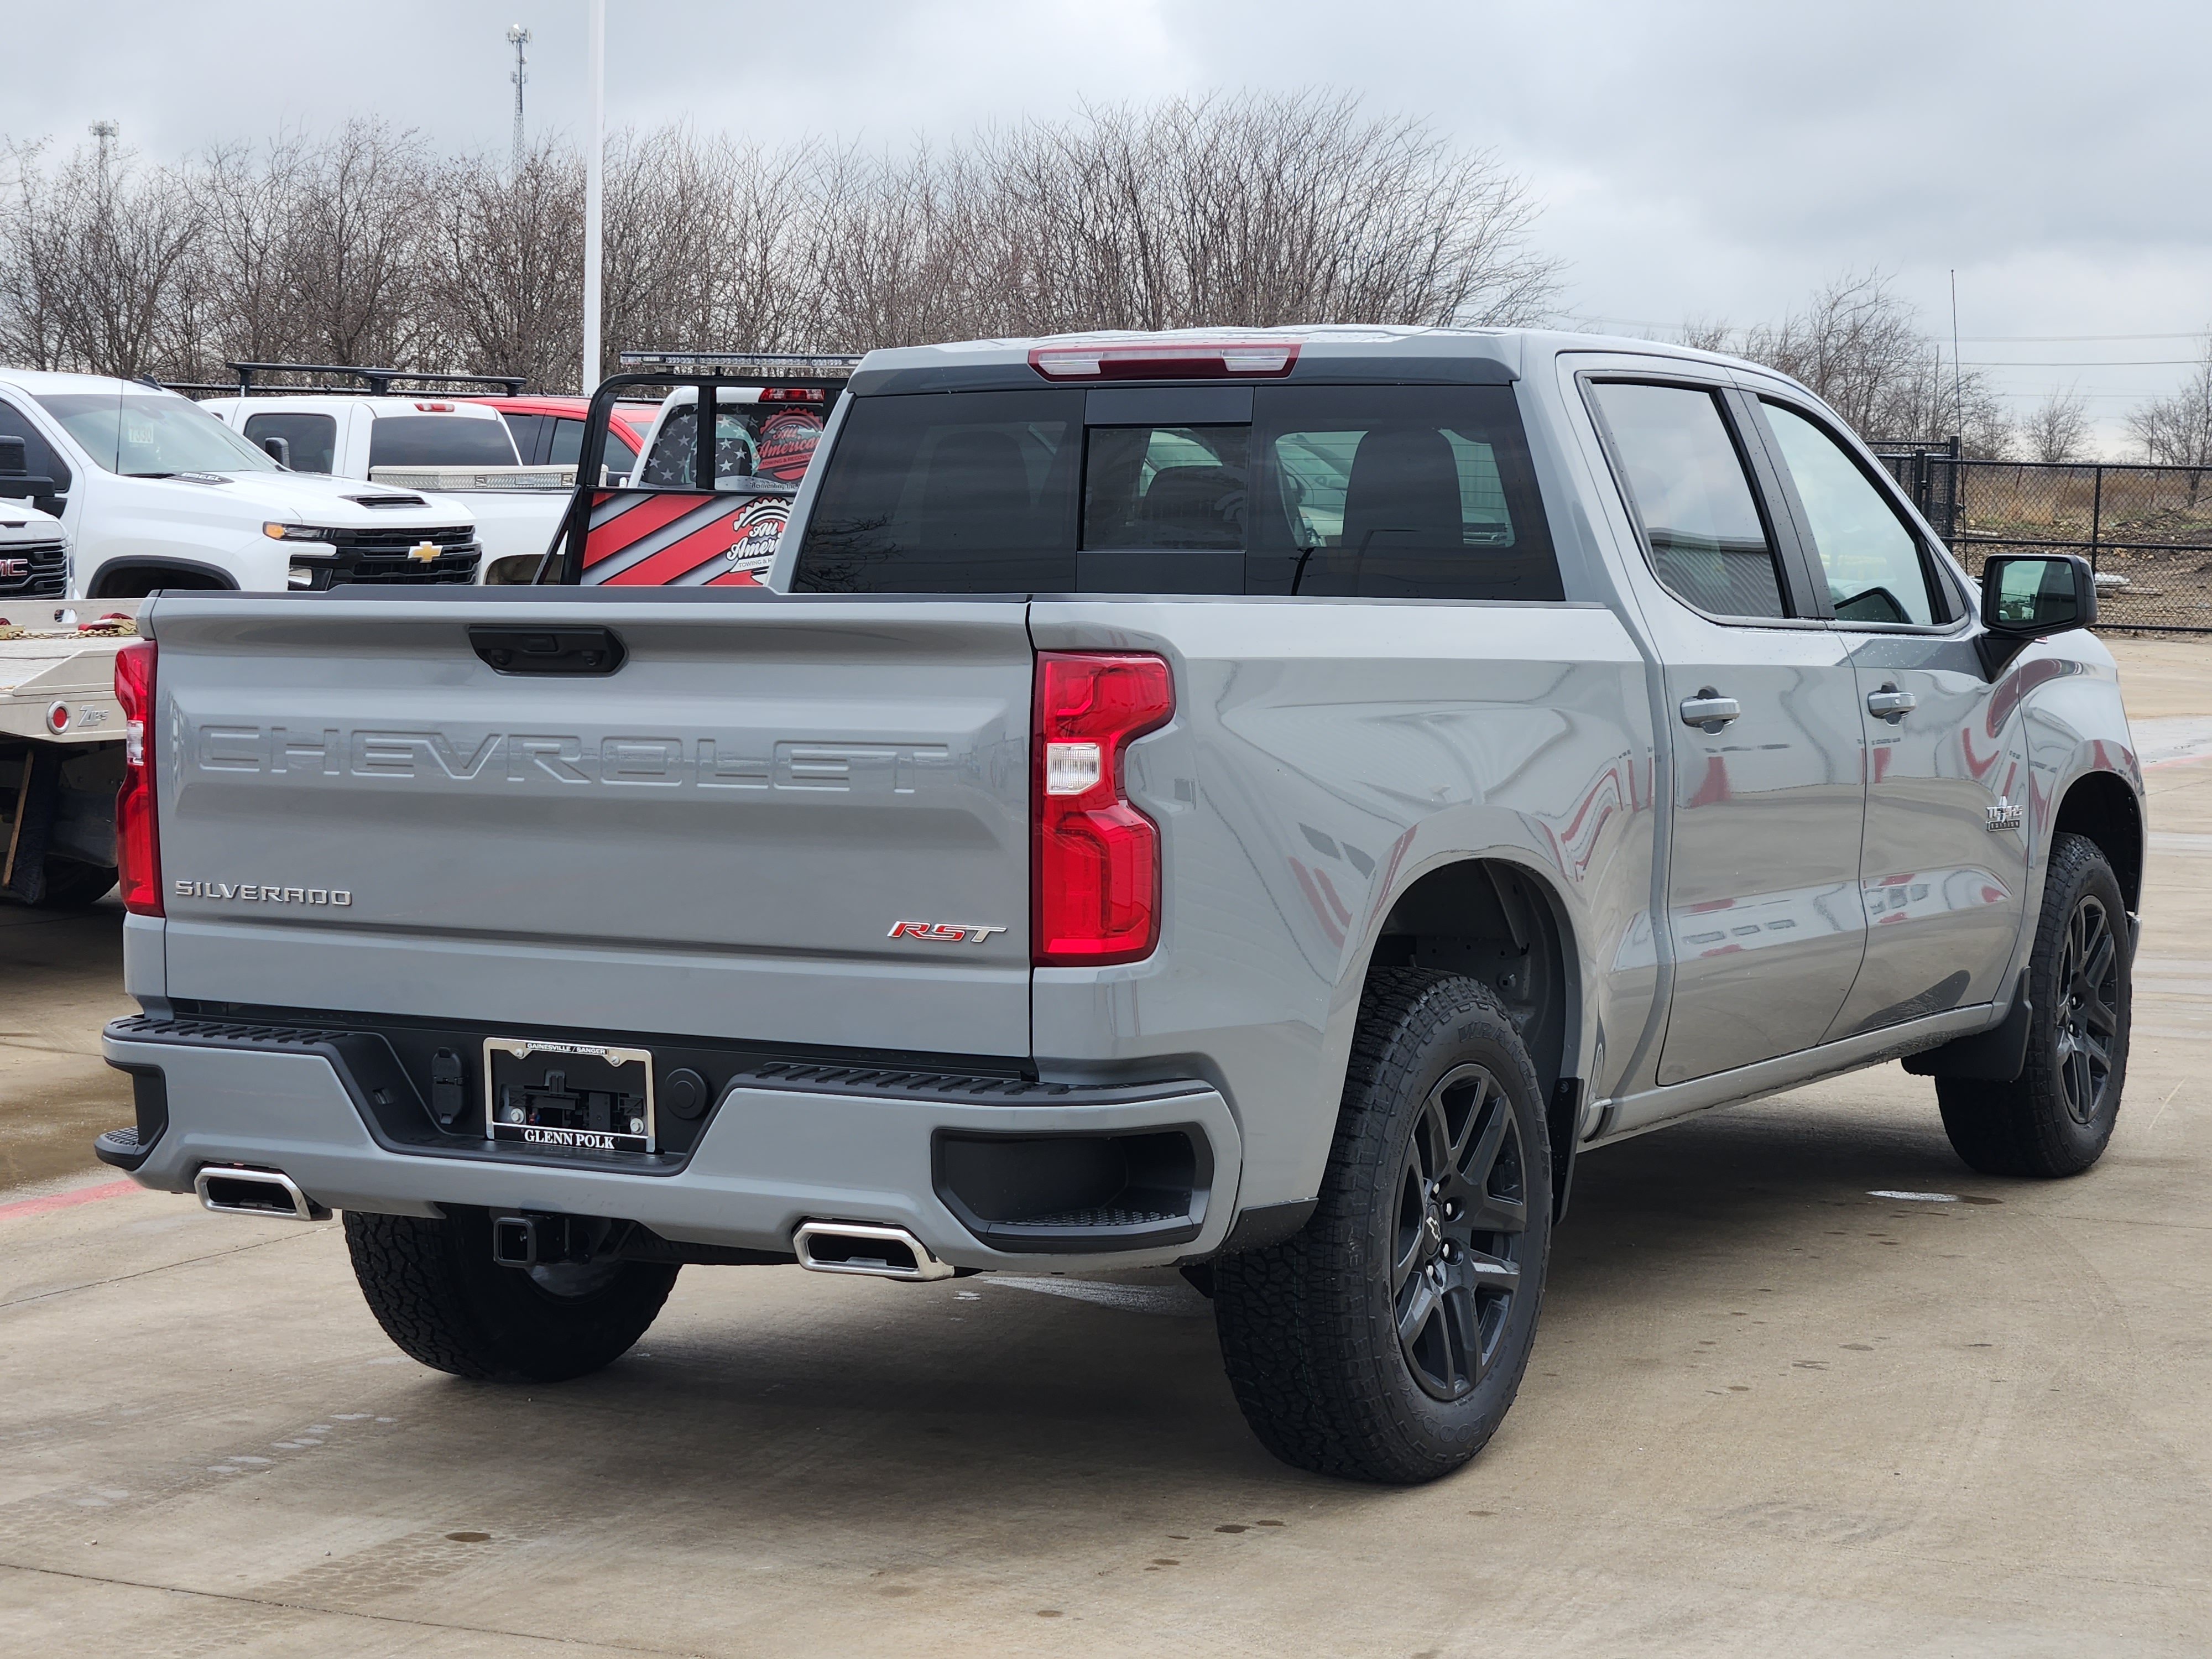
230 1190
866 1248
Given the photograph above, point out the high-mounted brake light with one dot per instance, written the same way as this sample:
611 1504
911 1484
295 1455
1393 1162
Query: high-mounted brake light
138 857
1095 877
1165 360
792 394
435 409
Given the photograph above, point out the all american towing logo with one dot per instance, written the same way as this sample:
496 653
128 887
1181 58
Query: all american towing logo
757 529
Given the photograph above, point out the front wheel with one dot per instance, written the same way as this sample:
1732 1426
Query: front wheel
433 1285
1387 1339
2057 1116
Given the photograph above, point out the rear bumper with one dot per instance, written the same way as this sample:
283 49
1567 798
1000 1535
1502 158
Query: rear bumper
768 1159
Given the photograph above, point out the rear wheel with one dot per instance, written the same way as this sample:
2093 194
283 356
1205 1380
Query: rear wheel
71 885
2057 1116
1387 1339
433 1285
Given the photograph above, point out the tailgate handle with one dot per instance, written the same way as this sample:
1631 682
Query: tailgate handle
519 650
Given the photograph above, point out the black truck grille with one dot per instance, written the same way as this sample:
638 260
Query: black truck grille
33 573
381 556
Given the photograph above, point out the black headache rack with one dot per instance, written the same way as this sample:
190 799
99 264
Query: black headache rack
708 373
377 380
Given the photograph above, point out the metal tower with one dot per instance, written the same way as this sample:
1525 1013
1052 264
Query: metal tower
518 37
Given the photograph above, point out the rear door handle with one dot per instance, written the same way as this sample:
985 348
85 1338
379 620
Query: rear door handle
1709 711
1891 704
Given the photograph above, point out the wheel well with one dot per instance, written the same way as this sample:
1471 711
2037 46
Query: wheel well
1495 922
2103 808
134 579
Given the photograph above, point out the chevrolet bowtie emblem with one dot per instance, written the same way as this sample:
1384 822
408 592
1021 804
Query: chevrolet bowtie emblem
424 552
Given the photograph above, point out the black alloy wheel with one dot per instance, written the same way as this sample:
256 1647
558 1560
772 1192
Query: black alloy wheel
2057 1116
1462 1211
2087 1010
1386 1339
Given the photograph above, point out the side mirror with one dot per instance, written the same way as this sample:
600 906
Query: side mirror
2027 595
15 456
16 483
280 451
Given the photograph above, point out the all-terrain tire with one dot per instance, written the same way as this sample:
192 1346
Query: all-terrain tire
1386 1339
2057 1116
71 885
439 1295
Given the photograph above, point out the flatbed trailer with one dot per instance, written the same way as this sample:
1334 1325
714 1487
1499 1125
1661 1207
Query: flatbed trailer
61 750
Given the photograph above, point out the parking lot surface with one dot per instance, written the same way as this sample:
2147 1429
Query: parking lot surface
1803 1380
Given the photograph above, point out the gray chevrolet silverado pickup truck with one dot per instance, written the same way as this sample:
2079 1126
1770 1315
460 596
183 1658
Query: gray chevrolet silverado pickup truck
1260 802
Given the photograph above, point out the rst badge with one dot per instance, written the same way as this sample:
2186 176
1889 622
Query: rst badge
942 932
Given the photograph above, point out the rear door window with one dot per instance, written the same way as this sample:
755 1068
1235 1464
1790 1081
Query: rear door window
529 432
1690 493
439 440
313 439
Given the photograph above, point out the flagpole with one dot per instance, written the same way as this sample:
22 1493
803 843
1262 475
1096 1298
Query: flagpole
594 185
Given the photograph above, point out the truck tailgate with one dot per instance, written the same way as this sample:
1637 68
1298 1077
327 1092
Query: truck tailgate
719 839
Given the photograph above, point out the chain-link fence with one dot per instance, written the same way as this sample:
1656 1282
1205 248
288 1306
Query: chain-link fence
2146 531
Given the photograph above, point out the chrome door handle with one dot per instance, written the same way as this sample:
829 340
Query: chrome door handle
1709 711
1891 704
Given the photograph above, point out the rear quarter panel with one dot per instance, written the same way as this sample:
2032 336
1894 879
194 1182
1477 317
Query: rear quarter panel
1323 758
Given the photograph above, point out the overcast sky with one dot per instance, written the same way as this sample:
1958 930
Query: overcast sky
1713 160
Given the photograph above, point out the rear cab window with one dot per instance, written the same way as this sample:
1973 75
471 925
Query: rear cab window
1399 492
439 440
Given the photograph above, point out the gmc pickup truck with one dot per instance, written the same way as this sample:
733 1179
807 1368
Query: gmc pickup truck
1262 803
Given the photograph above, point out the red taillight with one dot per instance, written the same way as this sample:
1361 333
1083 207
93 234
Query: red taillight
1095 358
1095 877
138 859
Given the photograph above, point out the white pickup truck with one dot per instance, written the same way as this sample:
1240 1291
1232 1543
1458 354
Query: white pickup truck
61 730
460 452
155 493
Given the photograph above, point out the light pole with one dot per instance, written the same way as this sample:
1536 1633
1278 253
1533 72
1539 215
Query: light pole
518 37
105 131
594 169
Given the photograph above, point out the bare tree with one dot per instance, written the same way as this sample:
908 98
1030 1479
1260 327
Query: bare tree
2057 429
2178 429
361 246
1861 348
510 265
92 259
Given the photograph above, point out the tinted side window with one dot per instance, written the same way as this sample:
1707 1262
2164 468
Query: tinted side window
1399 492
967 492
39 459
1870 557
439 440
313 438
1688 489
529 432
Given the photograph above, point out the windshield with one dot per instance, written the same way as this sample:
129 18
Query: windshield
149 437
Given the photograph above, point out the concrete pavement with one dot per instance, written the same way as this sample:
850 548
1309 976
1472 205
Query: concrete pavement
1768 1408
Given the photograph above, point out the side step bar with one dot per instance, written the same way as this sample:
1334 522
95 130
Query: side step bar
863 1247
234 1191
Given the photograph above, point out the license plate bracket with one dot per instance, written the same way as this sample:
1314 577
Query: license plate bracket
578 1096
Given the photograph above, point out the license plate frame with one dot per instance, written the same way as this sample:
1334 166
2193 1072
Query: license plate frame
500 1099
